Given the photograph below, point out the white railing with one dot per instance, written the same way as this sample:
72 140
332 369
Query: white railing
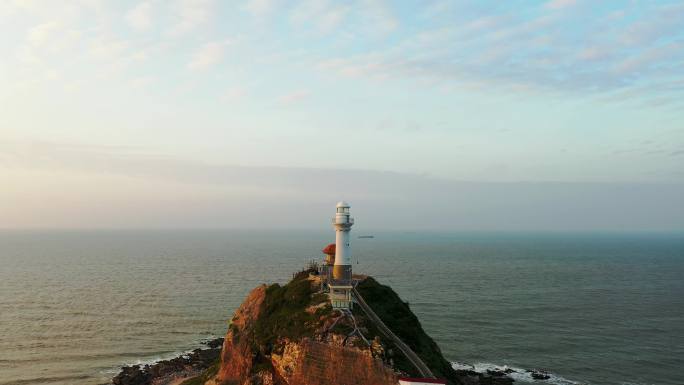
349 220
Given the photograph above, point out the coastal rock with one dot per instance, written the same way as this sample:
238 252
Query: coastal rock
132 375
471 377
286 363
238 354
164 371
495 373
304 342
290 335
539 374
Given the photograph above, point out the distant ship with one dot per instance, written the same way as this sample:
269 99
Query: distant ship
366 236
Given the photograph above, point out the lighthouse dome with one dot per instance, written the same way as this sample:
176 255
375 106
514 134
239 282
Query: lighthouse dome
342 204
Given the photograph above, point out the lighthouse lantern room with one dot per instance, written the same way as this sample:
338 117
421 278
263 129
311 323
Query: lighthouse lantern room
341 281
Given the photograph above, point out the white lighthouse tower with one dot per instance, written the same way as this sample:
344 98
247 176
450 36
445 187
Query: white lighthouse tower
343 261
341 282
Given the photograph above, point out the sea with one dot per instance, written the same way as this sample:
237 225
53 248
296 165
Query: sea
589 308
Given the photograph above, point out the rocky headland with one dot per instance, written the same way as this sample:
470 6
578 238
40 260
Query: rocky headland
290 335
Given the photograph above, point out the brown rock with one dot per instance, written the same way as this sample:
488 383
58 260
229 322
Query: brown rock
237 358
303 362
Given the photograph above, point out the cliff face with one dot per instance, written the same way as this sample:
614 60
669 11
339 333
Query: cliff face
290 335
287 335
237 355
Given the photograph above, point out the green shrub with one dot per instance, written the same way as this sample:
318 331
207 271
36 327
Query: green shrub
283 312
397 315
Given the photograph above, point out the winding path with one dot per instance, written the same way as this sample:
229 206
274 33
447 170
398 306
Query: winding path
410 354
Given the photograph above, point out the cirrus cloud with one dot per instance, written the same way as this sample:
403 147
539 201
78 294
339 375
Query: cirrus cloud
208 55
140 17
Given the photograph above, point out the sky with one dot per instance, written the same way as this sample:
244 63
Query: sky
448 115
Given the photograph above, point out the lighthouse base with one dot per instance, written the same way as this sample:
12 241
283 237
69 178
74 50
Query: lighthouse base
340 296
342 273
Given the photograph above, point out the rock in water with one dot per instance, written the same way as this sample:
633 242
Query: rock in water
539 374
132 375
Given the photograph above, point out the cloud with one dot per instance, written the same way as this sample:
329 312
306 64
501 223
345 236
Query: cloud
537 52
378 16
332 18
594 53
50 37
234 93
657 24
242 195
105 48
40 34
323 14
535 49
294 97
560 4
208 55
142 82
260 7
649 58
140 17
190 14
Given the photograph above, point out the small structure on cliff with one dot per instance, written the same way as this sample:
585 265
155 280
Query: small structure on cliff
340 283
329 252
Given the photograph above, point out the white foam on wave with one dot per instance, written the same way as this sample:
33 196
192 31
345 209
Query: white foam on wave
636 383
155 359
520 375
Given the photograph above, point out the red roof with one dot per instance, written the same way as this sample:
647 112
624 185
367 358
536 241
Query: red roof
424 380
330 249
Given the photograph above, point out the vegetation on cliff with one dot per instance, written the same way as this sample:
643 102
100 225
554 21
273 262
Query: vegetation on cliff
283 311
284 316
397 315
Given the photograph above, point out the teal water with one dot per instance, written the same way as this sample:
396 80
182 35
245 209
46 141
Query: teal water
591 309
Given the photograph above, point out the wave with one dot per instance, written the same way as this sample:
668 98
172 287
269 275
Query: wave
46 380
520 375
153 358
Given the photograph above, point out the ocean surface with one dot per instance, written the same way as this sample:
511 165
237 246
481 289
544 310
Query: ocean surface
588 308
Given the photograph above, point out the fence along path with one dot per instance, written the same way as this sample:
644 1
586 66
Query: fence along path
410 354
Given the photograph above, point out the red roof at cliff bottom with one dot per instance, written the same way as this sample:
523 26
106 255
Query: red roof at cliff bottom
330 249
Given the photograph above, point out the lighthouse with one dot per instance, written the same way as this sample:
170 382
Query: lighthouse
342 271
341 282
